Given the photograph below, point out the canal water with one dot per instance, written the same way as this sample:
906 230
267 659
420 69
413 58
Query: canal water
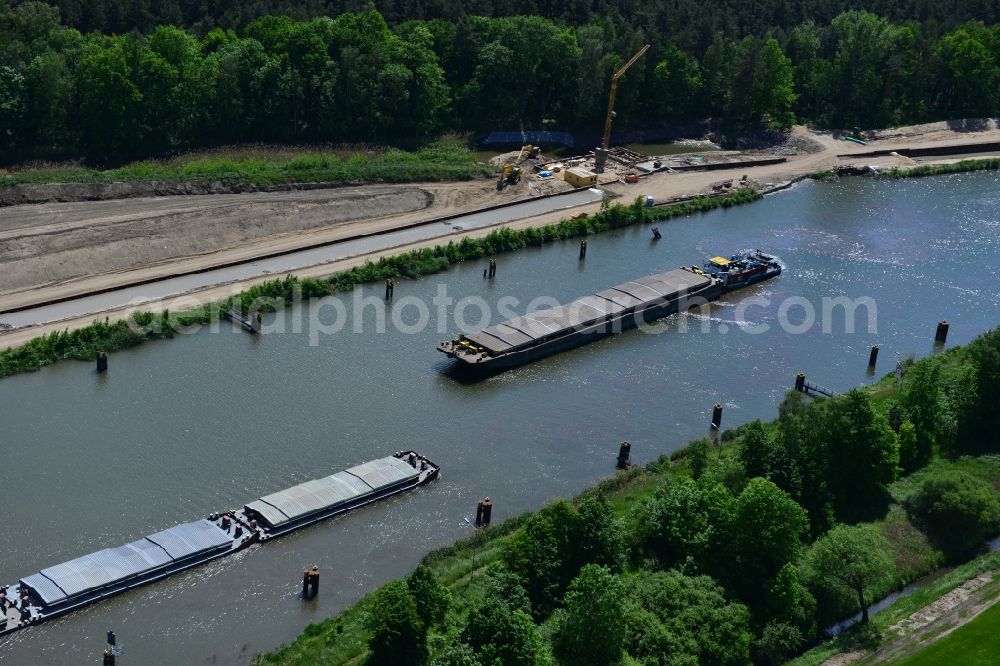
210 420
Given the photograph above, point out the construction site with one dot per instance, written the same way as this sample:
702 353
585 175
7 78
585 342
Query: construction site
607 164
623 165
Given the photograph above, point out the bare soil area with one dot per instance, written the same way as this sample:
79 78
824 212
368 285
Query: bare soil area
810 151
28 193
57 249
947 130
55 242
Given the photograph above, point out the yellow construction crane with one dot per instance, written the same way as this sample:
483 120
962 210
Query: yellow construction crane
602 154
614 90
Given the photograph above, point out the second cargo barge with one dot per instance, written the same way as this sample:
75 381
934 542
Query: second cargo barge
62 588
545 332
538 334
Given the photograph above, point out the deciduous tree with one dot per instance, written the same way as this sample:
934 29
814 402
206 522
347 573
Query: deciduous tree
765 534
685 519
591 626
499 634
398 636
12 105
863 454
853 557
431 597
685 618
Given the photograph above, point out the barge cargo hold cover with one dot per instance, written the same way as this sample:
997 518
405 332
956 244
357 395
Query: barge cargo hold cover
538 334
84 580
314 500
62 588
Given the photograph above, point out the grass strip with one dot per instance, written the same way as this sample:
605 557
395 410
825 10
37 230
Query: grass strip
265 165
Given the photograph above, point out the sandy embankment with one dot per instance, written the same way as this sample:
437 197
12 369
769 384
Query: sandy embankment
60 249
53 243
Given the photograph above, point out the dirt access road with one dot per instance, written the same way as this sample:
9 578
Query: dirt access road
59 250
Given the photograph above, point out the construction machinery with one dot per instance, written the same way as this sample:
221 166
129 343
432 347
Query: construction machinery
601 154
527 151
509 175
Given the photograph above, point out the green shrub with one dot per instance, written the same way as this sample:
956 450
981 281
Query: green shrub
957 510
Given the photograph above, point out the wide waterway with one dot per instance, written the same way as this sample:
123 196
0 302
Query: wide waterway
180 428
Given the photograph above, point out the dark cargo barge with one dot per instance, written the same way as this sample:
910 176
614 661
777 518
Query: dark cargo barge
539 334
62 588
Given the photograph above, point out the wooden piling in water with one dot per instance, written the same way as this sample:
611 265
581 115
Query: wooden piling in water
624 455
108 658
717 416
812 388
873 357
314 581
310 582
484 511
941 335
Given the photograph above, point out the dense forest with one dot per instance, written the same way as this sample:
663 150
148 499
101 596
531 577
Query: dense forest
692 24
726 554
233 76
